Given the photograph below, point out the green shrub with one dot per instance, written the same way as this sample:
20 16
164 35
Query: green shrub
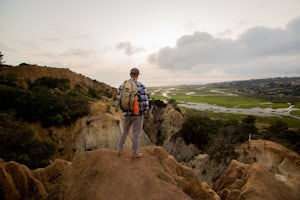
18 143
280 132
8 79
197 130
92 92
51 83
48 100
216 137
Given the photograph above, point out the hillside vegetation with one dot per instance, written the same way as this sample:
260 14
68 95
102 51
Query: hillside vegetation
49 101
219 137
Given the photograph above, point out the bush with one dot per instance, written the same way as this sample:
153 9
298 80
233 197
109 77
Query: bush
48 100
247 127
8 79
18 143
7 97
92 92
198 130
158 103
172 101
280 133
215 137
222 152
76 105
51 83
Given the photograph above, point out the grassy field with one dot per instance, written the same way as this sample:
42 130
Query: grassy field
221 97
261 122
296 113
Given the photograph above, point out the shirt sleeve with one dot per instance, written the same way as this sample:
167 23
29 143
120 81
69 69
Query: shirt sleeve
119 93
143 98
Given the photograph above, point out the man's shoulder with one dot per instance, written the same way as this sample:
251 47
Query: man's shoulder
141 85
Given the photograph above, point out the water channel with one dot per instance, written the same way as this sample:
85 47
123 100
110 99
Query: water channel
264 112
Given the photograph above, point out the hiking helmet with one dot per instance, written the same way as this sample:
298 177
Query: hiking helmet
135 71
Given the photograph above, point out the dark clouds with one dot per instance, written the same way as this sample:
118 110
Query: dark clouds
259 47
128 48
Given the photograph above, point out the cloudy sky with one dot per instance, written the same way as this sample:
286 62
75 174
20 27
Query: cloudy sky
171 41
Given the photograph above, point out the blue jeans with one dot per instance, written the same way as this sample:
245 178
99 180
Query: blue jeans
136 121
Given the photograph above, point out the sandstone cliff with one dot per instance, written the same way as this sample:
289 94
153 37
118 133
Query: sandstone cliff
283 163
161 123
263 170
254 182
100 129
101 174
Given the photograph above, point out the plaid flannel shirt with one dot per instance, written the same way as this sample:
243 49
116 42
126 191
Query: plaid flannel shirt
143 98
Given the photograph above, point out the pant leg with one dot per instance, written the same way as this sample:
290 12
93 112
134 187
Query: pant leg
127 125
137 125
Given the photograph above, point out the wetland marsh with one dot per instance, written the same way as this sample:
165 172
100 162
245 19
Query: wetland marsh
228 100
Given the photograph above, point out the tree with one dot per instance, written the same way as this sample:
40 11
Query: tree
198 130
247 127
278 127
1 58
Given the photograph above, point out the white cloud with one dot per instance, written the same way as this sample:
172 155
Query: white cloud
128 48
257 50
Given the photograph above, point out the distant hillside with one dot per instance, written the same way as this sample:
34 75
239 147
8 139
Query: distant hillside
33 72
280 86
276 80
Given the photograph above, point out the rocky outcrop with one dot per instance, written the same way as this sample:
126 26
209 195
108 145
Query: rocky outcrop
180 150
208 170
254 182
277 159
101 174
283 163
50 175
162 121
17 182
269 171
100 129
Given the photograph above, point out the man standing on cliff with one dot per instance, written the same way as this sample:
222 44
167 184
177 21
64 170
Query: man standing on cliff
134 120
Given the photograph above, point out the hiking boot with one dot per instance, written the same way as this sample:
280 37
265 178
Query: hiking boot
136 156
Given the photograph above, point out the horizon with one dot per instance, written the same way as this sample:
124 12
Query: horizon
187 42
170 85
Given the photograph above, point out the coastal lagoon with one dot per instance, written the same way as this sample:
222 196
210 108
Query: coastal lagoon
224 101
263 112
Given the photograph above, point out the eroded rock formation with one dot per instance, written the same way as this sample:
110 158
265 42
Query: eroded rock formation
101 174
254 182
